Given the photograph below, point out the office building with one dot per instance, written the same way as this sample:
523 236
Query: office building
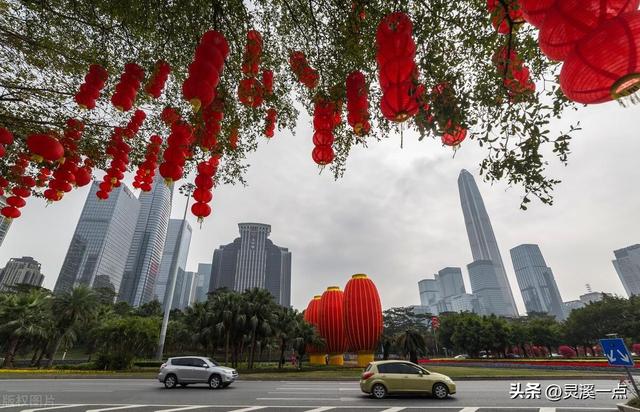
537 283
484 246
591 297
202 279
627 265
145 254
253 261
487 289
450 282
464 302
571 305
20 271
100 245
429 292
184 292
4 222
174 256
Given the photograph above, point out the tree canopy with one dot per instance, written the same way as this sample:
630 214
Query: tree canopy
46 48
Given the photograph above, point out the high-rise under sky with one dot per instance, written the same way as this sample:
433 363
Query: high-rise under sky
145 254
627 264
482 239
251 261
173 256
96 255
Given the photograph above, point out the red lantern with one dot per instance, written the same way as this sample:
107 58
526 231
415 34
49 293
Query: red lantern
233 138
397 70
312 317
332 327
94 82
303 72
159 77
324 121
175 155
270 120
499 18
10 212
204 182
515 75
267 82
252 54
146 170
250 92
362 317
169 115
568 21
205 70
6 137
358 103
134 124
453 135
127 88
535 11
605 65
45 147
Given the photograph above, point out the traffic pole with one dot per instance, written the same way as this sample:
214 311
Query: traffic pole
633 381
173 273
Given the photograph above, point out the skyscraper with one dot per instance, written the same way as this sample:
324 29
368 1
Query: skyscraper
429 292
252 260
143 261
537 283
481 237
202 279
485 286
627 264
4 222
184 293
169 255
98 251
21 271
450 282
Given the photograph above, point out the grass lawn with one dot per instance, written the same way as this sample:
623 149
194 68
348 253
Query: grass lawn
328 373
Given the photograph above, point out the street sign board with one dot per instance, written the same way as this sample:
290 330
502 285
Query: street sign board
616 352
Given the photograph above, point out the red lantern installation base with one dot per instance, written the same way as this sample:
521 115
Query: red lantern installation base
336 359
364 359
317 359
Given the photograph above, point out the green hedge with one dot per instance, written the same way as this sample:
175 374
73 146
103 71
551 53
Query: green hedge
147 364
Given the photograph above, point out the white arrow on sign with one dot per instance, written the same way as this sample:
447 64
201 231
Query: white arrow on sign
611 357
623 356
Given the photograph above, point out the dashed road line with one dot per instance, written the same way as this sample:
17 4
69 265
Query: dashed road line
394 409
115 408
185 408
469 409
48 408
251 408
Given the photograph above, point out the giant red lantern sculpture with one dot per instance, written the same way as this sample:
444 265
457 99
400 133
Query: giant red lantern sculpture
362 317
535 11
332 327
605 64
312 316
568 21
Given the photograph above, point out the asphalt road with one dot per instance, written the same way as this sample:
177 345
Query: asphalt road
145 395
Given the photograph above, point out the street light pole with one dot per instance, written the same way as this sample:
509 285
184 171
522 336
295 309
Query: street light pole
186 190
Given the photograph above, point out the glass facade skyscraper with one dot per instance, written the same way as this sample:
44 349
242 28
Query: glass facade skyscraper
101 241
251 261
4 222
481 237
202 280
485 286
537 283
161 291
143 261
20 271
627 264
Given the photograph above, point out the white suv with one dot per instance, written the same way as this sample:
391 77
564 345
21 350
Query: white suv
195 369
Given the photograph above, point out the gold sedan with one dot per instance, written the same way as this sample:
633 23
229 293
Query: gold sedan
391 377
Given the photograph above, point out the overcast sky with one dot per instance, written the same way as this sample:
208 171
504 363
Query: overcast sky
396 214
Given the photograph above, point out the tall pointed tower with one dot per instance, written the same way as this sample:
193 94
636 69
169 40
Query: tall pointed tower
483 241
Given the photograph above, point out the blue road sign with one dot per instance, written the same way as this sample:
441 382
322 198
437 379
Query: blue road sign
616 352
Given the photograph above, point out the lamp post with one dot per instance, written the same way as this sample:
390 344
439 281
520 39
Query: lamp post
185 190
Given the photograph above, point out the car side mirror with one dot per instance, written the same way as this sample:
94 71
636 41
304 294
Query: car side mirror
420 373
204 365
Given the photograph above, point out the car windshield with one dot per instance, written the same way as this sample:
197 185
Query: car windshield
214 363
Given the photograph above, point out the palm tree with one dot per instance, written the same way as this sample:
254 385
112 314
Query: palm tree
71 309
259 307
305 336
23 318
226 308
285 325
412 343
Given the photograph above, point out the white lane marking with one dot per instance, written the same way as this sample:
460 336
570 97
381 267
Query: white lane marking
394 409
547 410
184 408
14 405
298 399
469 409
321 409
115 408
47 408
251 408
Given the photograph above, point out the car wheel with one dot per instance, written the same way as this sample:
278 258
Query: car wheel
379 391
215 382
170 381
440 391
